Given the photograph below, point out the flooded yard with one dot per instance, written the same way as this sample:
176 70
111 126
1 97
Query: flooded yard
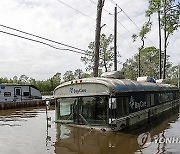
27 131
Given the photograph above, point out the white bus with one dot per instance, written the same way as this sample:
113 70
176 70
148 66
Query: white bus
18 93
112 104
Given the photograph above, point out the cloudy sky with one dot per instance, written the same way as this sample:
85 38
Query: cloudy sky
76 27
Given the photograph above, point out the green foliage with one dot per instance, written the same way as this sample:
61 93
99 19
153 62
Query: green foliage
170 14
172 76
145 29
142 33
105 54
49 84
149 64
78 74
68 76
154 6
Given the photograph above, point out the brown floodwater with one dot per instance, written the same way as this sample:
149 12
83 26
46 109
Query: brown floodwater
26 131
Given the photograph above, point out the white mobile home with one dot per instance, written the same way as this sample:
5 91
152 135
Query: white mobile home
18 93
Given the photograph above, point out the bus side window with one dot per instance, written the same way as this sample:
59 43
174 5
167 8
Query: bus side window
122 107
125 106
152 99
119 107
148 100
177 95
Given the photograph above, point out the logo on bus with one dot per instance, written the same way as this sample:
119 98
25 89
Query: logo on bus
137 105
77 91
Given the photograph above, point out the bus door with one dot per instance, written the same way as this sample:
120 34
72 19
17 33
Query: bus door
112 109
17 94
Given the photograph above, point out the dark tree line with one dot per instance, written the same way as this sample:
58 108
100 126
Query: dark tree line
49 84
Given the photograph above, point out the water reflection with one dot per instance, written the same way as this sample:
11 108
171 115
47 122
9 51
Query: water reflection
72 140
13 117
76 140
25 131
166 130
28 131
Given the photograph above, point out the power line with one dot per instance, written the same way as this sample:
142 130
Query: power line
111 14
41 37
76 10
91 17
103 8
118 22
125 14
112 1
41 42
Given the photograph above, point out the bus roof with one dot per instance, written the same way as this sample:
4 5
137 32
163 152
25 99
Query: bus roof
117 85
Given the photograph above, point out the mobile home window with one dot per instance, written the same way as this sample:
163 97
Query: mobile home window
7 94
2 87
25 93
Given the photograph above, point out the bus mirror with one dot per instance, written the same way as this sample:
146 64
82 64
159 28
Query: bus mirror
112 103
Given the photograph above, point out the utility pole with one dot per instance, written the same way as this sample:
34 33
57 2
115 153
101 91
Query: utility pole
115 38
97 36
179 76
139 64
159 21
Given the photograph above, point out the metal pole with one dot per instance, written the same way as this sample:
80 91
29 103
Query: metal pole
179 76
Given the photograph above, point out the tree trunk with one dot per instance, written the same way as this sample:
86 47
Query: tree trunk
165 41
105 61
160 67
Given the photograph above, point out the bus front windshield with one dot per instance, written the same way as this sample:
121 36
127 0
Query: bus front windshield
83 110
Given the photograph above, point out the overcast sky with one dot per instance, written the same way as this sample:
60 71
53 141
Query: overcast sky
53 20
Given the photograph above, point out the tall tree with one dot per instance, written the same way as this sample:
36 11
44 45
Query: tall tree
142 35
23 79
169 11
78 74
106 54
15 79
68 76
149 64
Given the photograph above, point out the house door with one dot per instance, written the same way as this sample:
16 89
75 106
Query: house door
18 93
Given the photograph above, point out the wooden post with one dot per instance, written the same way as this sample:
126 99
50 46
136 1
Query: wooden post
115 38
97 36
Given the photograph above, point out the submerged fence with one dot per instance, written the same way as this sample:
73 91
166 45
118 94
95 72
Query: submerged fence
23 104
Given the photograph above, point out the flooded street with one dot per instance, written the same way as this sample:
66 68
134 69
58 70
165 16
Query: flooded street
27 131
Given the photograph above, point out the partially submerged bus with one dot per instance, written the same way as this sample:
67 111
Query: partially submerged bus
112 104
